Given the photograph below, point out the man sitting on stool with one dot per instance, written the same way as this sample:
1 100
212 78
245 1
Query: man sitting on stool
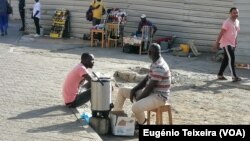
152 92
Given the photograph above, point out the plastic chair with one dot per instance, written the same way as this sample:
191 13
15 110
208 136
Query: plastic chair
147 37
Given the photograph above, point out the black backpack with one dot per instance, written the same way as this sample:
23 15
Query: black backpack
103 11
89 14
130 49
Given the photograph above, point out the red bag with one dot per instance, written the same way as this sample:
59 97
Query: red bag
165 39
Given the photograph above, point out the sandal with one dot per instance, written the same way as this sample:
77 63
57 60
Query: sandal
221 77
236 79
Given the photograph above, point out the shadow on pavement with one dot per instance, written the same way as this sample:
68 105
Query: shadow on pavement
63 128
44 112
201 88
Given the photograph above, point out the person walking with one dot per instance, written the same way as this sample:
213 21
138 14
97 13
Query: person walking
36 15
3 17
152 92
21 6
227 40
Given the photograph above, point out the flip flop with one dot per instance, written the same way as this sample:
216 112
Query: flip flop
222 78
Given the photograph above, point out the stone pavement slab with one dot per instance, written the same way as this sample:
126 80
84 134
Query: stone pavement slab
34 69
31 104
31 101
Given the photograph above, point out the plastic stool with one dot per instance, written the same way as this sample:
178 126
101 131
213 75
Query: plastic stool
159 116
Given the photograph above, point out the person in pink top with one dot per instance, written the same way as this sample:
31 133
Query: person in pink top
78 75
227 40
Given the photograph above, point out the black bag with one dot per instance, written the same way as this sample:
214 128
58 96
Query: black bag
130 49
9 9
86 37
103 11
89 14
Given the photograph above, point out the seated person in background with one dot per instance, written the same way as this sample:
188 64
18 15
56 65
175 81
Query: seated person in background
145 22
152 92
78 75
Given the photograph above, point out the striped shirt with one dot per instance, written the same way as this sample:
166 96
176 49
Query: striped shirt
159 71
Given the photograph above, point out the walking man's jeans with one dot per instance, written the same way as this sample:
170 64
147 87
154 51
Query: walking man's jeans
228 60
3 23
22 15
36 21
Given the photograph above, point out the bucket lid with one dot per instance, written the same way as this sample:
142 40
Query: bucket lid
103 79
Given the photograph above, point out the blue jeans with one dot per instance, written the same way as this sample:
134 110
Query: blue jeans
3 23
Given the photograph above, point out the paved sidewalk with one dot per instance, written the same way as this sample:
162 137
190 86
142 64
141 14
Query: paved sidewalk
31 102
35 69
32 73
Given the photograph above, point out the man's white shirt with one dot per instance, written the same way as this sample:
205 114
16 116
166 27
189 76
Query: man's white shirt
37 7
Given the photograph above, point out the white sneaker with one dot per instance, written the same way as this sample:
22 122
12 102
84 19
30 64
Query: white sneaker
36 35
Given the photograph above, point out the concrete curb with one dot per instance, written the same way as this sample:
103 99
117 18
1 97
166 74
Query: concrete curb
88 128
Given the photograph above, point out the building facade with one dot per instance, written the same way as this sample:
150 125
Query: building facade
197 20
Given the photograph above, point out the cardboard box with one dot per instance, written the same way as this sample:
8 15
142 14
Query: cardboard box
121 124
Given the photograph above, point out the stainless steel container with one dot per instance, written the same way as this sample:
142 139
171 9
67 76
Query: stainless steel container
101 95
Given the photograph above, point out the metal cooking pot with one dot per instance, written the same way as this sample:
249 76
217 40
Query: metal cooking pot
101 94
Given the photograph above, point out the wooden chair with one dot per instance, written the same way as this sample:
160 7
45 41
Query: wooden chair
112 32
96 31
159 116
